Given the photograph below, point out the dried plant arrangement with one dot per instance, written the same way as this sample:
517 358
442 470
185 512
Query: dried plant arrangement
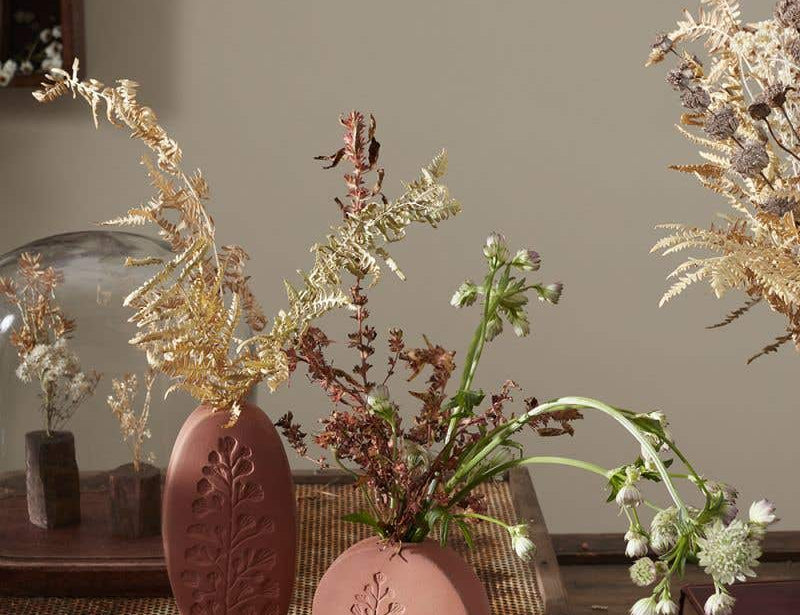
189 311
419 476
41 342
740 109
133 424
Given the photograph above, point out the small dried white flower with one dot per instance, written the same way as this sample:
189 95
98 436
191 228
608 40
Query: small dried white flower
54 49
719 603
643 572
728 553
52 62
56 31
522 544
26 67
645 606
763 513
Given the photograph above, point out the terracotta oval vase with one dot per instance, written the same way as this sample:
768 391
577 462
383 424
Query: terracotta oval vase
371 578
228 519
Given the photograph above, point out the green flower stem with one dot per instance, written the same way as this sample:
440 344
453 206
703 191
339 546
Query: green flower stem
471 362
698 479
486 518
500 469
501 435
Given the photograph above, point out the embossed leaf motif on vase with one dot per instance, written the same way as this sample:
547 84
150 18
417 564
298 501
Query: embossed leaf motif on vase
375 578
229 530
377 599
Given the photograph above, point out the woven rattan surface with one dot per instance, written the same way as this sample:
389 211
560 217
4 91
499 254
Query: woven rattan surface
510 583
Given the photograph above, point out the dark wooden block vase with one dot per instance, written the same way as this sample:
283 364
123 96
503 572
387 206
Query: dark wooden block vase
135 498
52 479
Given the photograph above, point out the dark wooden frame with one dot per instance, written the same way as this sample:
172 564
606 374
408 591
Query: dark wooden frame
72 37
146 576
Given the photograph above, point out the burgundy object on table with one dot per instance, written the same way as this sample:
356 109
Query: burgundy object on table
752 598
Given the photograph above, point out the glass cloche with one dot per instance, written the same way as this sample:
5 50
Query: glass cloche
95 283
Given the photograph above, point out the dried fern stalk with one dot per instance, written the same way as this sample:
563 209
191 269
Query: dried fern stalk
188 312
741 110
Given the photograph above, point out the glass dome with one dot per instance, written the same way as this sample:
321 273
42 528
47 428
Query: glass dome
95 283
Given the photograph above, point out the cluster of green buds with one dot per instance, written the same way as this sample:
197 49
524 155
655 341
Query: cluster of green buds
505 294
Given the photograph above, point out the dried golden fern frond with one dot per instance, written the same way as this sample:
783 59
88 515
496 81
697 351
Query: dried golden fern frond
189 311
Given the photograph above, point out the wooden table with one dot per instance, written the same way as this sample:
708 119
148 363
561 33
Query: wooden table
87 561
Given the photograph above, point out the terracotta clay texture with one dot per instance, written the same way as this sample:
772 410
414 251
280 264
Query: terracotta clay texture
52 480
228 519
371 578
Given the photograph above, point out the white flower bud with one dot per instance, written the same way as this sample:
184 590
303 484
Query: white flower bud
763 513
551 292
719 603
666 606
645 606
527 260
378 396
523 546
628 496
495 248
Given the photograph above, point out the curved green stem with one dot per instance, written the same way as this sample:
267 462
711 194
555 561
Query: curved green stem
502 433
485 518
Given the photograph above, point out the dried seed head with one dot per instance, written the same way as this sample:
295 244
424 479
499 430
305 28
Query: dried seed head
759 110
792 49
787 12
682 76
722 124
659 49
775 95
778 205
751 160
695 98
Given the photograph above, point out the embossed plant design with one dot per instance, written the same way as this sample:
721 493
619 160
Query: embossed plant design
376 599
228 576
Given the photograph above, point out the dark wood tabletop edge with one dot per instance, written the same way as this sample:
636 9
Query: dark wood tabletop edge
609 548
545 563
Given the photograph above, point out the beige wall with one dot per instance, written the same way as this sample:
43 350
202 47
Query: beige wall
557 136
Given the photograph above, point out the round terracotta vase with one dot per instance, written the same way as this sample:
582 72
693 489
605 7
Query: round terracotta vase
228 519
371 578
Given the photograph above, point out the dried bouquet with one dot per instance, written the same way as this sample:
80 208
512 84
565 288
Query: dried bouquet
41 341
419 476
189 311
740 108
133 424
